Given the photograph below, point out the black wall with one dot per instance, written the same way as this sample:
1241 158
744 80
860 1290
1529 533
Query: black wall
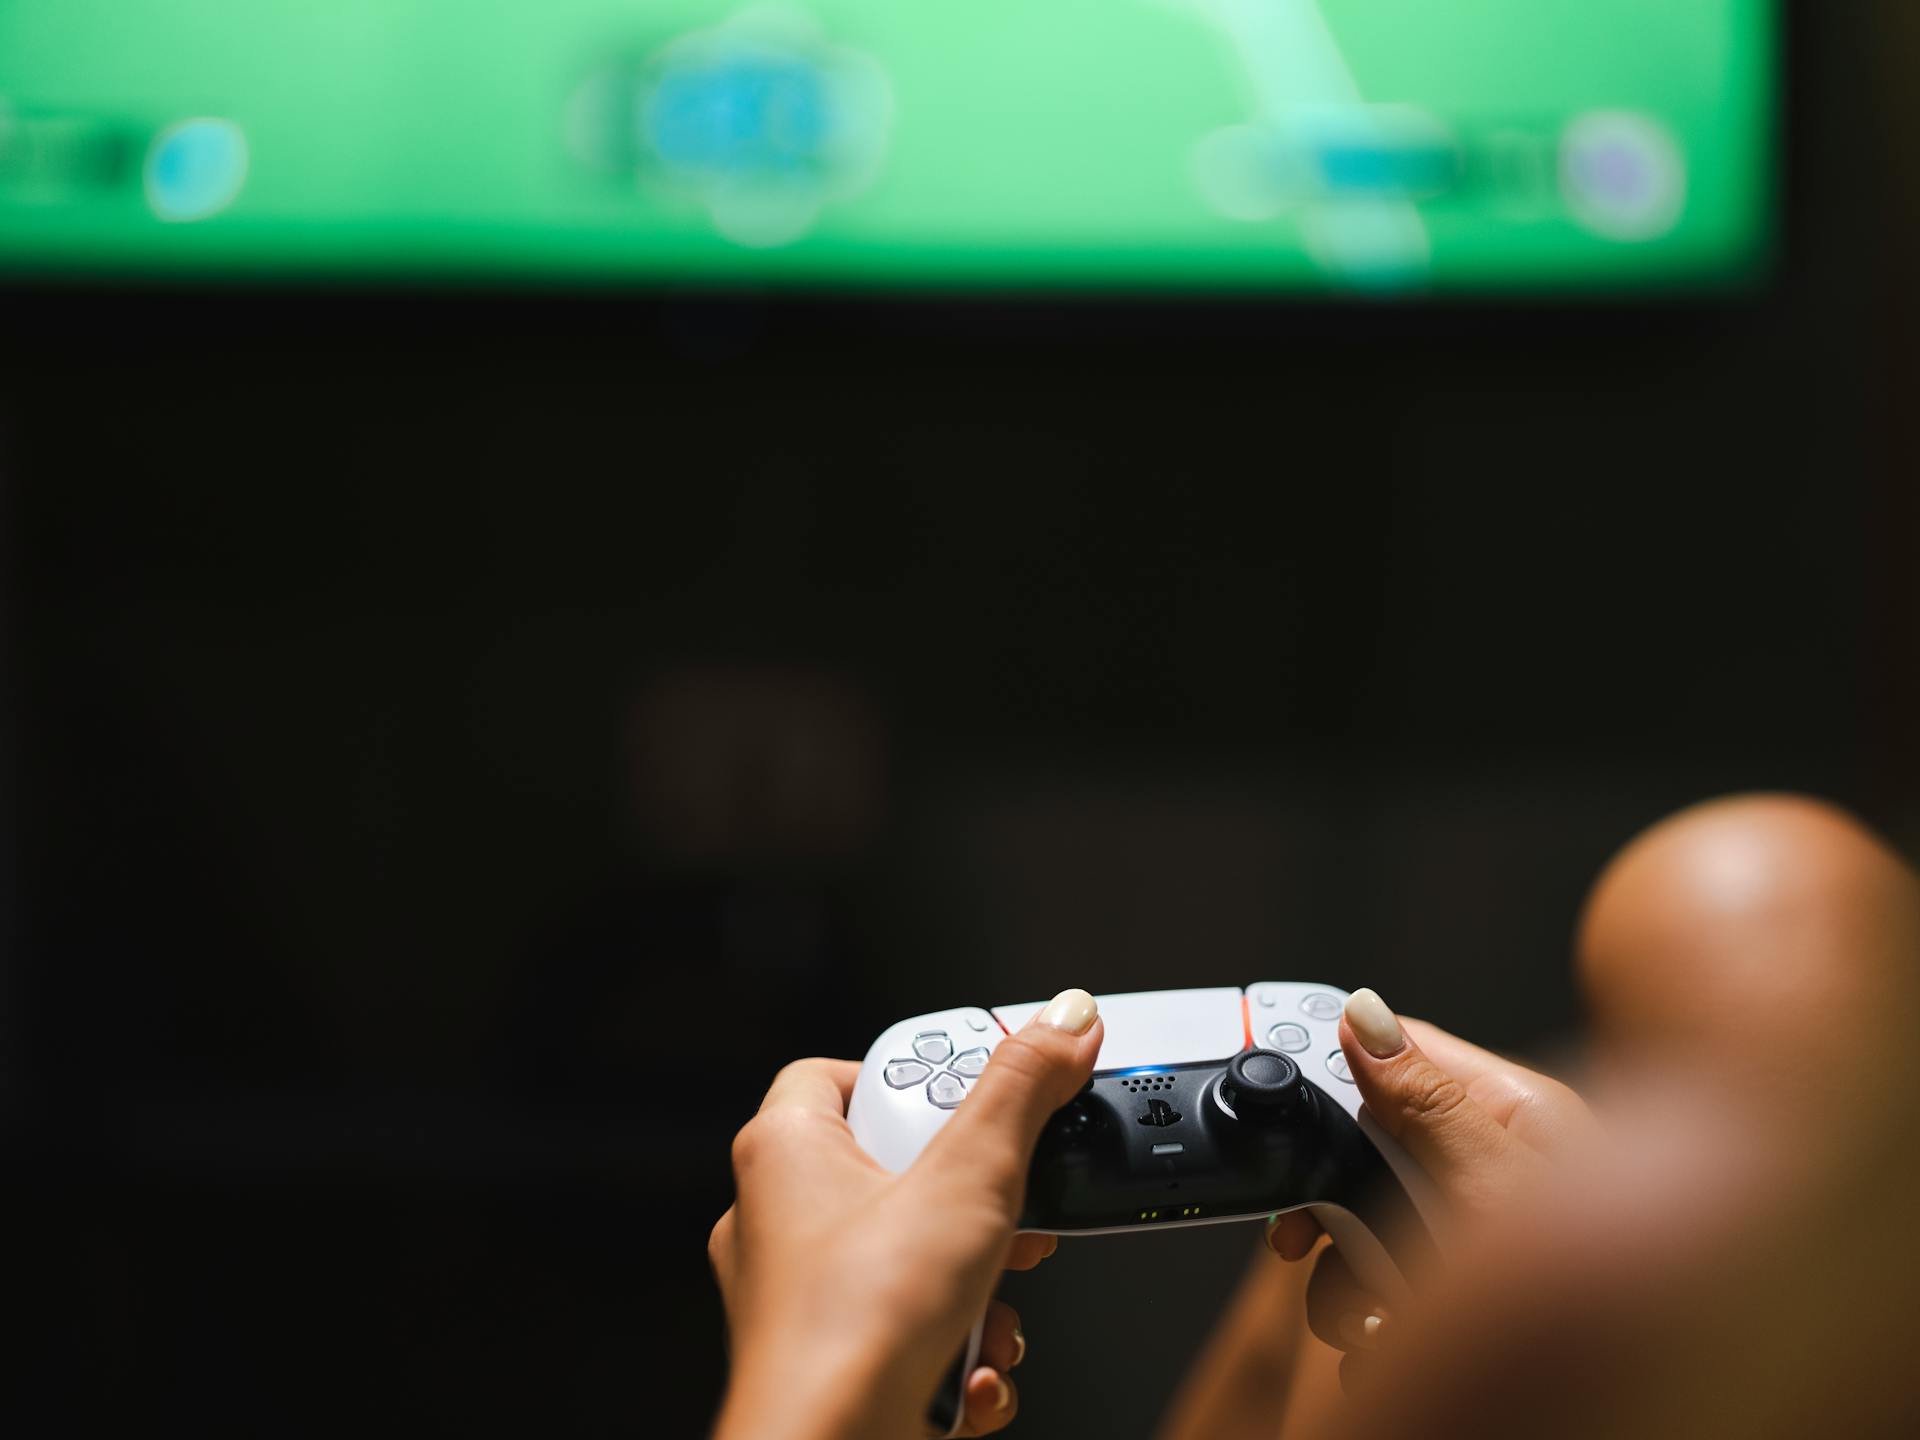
460 745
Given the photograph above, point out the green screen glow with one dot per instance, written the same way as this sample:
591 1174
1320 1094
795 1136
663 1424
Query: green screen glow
1381 145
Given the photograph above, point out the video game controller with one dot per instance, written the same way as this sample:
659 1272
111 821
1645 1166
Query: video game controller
1205 1107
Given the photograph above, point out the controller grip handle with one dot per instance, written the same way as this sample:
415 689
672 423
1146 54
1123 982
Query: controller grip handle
1366 1257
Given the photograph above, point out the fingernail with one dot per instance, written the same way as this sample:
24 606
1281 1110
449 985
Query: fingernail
1361 1331
1001 1394
1073 1011
1374 1024
1019 1346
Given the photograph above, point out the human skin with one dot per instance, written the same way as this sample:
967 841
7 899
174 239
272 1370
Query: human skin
848 1289
1730 1251
1482 1126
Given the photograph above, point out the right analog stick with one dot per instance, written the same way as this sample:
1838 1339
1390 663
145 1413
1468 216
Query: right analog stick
1266 1086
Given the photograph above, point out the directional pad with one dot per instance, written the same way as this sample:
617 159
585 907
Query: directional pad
933 1046
1289 1037
905 1074
970 1063
946 1090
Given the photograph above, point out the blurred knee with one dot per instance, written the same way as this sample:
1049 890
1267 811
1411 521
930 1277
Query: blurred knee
1754 916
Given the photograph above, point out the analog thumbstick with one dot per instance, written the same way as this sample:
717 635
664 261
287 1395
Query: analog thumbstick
1264 1085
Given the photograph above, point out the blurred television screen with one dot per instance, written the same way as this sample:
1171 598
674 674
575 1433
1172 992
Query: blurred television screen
1389 146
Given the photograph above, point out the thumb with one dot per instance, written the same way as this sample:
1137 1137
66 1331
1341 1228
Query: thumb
990 1138
1416 1102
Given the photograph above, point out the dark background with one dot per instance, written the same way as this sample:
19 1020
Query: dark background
458 746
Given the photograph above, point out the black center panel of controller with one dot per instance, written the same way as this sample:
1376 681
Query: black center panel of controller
1138 1148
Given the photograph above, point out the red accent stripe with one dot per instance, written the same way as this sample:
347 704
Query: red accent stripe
1246 1019
996 1020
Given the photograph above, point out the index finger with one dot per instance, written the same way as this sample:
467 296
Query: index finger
819 1085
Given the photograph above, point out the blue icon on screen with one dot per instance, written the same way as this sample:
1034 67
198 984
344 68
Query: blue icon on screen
763 121
751 114
195 169
1411 171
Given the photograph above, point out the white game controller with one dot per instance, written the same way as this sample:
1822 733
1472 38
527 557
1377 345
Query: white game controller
1206 1106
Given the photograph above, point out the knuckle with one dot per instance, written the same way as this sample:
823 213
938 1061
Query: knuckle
1430 1096
756 1138
773 1131
1023 1058
1554 1112
1562 1098
748 1144
796 1070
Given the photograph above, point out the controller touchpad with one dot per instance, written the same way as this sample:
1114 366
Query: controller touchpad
1158 1027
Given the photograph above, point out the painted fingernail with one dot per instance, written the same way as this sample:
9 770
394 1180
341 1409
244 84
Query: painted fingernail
1374 1024
1019 1346
1002 1395
1073 1011
1361 1331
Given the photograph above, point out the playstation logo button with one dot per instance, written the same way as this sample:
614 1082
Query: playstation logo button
1159 1112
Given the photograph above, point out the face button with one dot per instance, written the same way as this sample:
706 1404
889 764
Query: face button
970 1063
1322 1006
1337 1066
946 1090
933 1046
1263 1086
1289 1037
905 1074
